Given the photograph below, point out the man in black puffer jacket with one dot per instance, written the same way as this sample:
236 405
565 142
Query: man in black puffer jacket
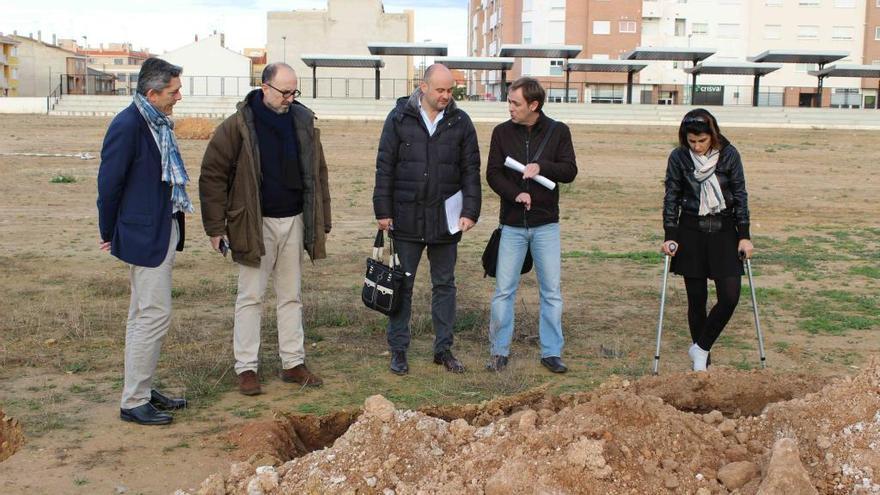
427 153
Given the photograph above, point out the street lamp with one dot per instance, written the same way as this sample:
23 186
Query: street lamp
424 62
284 49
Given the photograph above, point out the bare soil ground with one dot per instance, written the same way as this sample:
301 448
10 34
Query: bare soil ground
63 305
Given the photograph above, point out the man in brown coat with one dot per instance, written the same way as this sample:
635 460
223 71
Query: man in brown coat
263 186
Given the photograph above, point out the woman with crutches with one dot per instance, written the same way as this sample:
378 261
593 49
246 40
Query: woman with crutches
706 225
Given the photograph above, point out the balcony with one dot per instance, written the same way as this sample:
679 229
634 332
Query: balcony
3 59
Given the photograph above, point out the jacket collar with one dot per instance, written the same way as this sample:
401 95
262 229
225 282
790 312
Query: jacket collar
301 113
539 126
409 105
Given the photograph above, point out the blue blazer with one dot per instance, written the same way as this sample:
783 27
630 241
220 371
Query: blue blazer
134 205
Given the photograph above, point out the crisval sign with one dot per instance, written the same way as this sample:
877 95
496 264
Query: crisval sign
709 89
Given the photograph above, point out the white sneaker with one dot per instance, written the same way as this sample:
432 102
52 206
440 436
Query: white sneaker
699 357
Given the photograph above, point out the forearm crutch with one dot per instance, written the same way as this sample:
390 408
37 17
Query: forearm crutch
755 311
666 259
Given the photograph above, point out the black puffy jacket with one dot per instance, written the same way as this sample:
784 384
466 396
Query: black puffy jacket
683 190
416 173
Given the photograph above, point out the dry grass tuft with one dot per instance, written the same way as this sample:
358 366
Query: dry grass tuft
194 128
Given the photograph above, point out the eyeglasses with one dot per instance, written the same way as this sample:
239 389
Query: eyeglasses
286 94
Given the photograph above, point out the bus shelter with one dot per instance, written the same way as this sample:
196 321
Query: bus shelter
565 52
481 63
694 55
342 61
755 69
590 65
818 57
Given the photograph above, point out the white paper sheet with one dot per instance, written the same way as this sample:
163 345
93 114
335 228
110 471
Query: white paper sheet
453 212
519 167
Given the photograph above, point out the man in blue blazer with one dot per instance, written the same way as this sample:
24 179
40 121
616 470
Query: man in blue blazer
142 200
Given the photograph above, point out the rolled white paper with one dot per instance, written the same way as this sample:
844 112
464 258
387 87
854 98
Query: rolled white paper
519 167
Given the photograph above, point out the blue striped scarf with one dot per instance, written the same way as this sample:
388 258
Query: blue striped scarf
173 171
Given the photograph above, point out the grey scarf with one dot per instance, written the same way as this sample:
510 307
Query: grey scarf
711 199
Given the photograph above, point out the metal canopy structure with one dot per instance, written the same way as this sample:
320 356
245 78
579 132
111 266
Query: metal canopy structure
818 57
540 51
755 69
695 55
346 61
590 65
409 49
849 70
480 63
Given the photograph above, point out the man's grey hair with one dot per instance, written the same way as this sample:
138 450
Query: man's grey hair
156 74
271 70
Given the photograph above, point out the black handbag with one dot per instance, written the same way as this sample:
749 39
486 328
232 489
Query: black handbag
490 256
382 282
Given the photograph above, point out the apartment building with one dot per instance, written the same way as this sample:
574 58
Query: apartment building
258 63
345 27
45 67
8 66
120 60
871 86
604 29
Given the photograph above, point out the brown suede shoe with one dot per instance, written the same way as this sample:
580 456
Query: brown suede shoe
300 374
248 383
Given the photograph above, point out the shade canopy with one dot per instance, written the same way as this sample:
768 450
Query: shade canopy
840 70
350 61
799 56
414 49
590 65
541 51
734 68
476 63
660 53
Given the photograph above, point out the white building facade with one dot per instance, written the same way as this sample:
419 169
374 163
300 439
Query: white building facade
211 69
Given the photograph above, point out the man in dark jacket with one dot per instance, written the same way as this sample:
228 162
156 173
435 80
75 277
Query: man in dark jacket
529 218
428 152
264 185
141 203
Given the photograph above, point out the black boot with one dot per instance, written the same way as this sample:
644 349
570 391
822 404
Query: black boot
399 365
165 403
554 364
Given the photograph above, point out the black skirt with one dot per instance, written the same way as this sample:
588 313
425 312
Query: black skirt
707 252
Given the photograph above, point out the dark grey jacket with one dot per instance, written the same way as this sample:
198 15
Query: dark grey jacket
416 173
683 189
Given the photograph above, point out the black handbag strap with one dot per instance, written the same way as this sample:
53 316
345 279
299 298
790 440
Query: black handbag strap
379 249
544 141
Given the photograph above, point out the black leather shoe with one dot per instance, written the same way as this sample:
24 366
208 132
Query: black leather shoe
449 362
164 403
554 364
496 363
399 366
145 414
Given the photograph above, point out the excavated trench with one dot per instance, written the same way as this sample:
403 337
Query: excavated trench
734 393
11 436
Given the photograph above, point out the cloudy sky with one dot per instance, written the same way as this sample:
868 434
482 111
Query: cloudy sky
163 25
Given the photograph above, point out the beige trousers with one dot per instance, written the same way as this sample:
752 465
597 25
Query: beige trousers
283 238
149 317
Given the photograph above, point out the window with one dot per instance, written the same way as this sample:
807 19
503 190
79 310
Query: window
601 27
526 33
680 25
875 62
808 32
877 33
118 61
556 35
808 3
772 31
845 4
700 28
556 67
728 31
626 26
133 78
842 32
601 56
773 3
804 68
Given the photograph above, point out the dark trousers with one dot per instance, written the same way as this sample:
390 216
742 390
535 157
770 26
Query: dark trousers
442 258
705 329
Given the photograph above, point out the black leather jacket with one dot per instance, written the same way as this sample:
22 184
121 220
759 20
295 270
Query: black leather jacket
683 190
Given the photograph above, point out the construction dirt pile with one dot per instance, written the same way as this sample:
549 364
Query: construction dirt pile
725 431
11 437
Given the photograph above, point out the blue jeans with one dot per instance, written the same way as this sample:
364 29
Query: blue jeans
545 246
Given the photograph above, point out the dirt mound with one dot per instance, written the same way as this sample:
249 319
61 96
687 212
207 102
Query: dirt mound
623 438
11 437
